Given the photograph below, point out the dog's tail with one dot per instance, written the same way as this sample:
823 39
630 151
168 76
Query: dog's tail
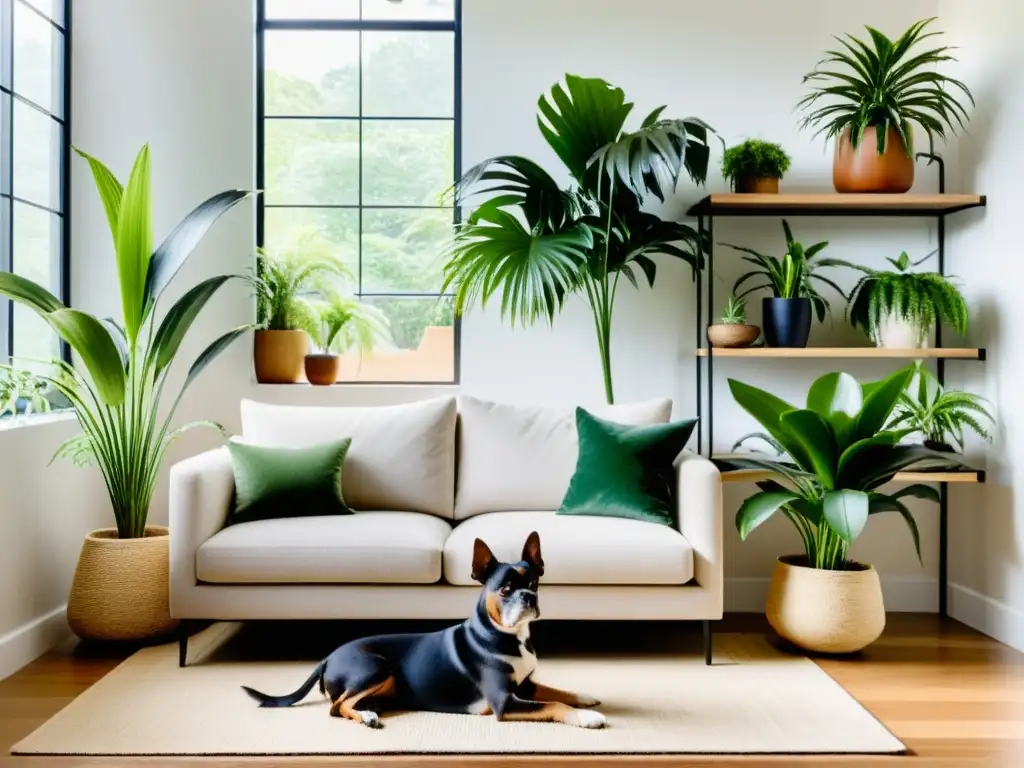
291 698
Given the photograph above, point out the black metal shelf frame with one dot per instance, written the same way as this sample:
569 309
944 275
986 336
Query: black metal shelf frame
706 233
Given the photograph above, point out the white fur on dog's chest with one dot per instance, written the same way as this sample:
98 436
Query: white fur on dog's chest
525 663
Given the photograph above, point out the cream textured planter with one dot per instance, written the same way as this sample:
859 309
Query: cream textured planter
120 589
897 333
825 611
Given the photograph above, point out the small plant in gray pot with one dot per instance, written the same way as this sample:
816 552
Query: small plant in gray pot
733 330
787 312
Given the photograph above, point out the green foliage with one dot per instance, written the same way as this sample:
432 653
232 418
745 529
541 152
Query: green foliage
118 397
18 384
888 84
839 454
288 286
534 244
754 159
735 311
940 415
920 298
791 276
345 323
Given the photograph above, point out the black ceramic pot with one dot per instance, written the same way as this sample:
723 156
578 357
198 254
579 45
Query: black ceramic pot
787 322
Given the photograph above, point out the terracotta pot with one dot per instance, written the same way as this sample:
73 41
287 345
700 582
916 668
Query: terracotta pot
279 356
762 186
120 589
864 170
897 333
825 611
322 370
731 335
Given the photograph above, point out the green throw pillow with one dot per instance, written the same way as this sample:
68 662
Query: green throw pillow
626 471
287 482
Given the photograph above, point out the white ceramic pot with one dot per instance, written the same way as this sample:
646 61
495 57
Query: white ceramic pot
898 333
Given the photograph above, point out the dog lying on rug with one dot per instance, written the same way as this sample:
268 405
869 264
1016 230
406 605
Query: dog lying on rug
483 666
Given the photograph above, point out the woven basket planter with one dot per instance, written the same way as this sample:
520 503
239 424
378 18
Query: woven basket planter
120 589
825 611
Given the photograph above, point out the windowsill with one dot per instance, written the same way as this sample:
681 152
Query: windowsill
37 420
439 385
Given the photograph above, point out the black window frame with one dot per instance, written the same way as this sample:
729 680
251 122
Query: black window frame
263 24
7 256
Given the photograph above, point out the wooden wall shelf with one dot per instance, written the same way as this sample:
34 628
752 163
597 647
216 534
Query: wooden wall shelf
848 353
757 475
834 205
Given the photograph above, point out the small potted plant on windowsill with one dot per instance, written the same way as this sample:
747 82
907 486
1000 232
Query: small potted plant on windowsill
939 415
787 313
755 166
21 393
898 310
732 330
287 287
345 324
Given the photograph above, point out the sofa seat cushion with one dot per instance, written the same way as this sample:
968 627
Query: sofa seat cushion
576 550
362 548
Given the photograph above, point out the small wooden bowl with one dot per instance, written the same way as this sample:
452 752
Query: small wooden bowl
732 336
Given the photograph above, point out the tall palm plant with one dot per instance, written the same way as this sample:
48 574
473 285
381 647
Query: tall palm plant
535 243
117 392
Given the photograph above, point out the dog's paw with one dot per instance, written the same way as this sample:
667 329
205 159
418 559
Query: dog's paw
585 701
371 719
587 718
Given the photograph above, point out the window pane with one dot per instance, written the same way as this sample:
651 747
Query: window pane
407 162
312 9
409 74
312 162
312 73
313 232
402 249
37 151
429 10
37 59
37 257
54 9
5 146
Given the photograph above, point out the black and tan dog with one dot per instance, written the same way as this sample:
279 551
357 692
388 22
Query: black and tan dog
480 667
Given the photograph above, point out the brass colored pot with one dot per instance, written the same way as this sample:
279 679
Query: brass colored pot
279 356
864 170
120 590
322 370
760 186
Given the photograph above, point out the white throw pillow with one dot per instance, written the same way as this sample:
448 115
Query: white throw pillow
514 457
402 456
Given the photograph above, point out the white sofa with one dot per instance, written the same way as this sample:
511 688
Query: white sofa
426 479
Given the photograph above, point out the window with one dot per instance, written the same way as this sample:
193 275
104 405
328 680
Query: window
33 179
358 124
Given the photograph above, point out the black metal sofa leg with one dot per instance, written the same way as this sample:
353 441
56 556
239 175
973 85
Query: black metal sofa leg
182 645
708 639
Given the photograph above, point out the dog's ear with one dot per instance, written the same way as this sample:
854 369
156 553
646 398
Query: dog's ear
483 561
531 553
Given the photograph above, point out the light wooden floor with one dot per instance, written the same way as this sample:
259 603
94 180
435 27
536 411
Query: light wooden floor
955 697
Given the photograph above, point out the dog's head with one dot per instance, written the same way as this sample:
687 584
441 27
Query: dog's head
510 589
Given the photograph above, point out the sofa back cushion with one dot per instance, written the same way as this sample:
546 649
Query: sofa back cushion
514 457
402 457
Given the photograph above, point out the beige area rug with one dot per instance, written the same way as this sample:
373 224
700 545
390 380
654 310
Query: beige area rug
753 700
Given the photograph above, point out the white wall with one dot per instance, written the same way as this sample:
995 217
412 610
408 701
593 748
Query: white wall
180 76
987 532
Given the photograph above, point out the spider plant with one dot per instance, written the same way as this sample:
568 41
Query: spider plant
288 286
791 276
887 84
533 244
920 298
345 324
839 453
118 391
940 414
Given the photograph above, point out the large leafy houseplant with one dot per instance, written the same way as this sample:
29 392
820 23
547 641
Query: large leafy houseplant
533 243
840 452
886 85
118 390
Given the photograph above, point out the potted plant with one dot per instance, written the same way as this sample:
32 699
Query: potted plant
939 415
345 324
119 590
21 392
532 243
755 166
899 309
839 454
787 313
287 288
732 330
867 97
